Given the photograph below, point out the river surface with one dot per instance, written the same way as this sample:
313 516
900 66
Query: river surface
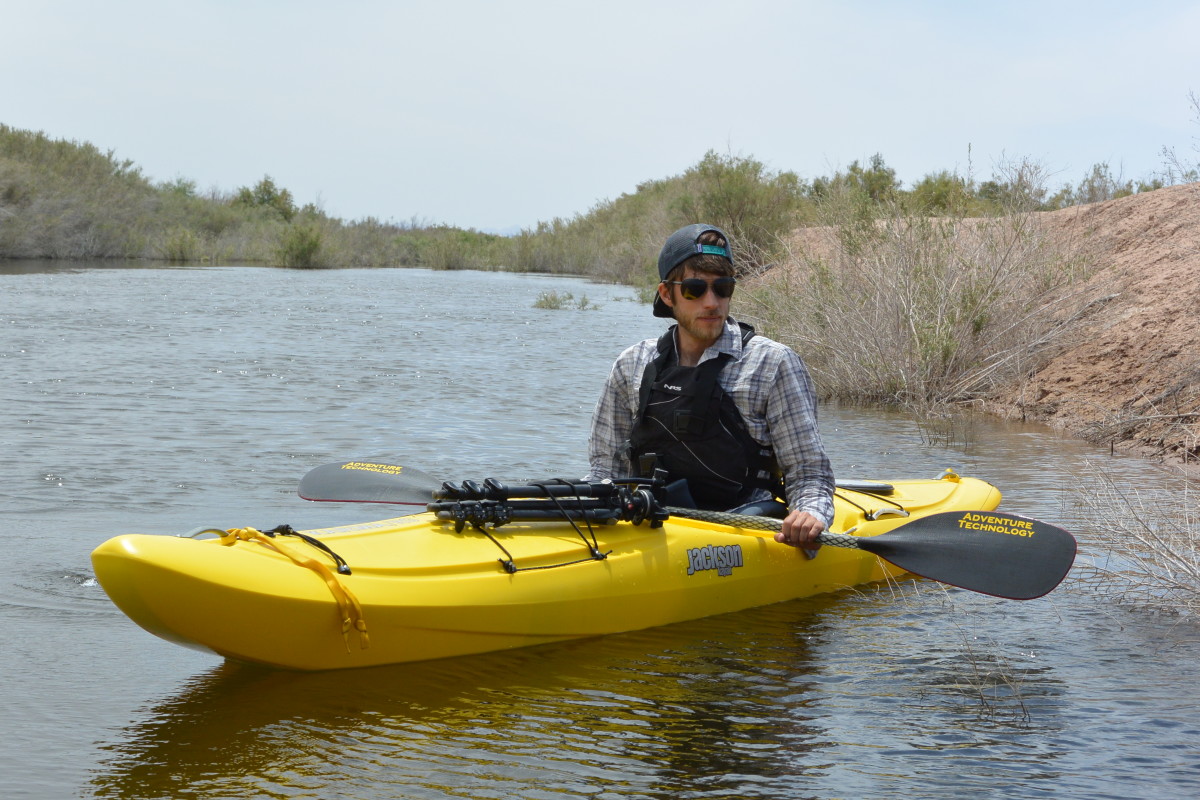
156 400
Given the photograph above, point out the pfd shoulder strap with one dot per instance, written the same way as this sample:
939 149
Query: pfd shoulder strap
665 353
747 333
665 349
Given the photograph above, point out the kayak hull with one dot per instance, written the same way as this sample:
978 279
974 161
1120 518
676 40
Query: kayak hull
418 589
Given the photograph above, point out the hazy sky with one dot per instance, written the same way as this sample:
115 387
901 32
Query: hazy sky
500 114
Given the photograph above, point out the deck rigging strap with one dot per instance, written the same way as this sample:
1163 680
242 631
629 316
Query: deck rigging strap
494 504
874 513
349 609
501 512
287 530
593 546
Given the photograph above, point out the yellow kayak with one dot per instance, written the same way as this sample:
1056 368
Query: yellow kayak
424 587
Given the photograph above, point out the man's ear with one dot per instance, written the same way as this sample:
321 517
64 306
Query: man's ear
664 294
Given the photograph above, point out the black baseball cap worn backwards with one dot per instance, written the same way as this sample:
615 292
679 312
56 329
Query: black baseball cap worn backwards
682 245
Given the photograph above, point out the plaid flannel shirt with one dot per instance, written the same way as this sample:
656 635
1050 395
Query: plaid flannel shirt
773 392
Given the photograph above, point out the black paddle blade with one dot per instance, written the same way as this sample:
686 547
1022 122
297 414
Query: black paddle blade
368 482
1004 555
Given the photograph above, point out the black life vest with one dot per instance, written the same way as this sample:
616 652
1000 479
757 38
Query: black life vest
695 431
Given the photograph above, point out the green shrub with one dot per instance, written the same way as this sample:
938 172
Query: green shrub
942 193
181 245
875 183
554 301
739 195
300 246
267 196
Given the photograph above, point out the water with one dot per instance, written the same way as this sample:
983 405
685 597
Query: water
157 400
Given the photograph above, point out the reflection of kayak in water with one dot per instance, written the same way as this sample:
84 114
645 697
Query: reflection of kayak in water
451 727
483 575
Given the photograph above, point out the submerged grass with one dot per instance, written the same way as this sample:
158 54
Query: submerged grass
971 666
559 301
1142 545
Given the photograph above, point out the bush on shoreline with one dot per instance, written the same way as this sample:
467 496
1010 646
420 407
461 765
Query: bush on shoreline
890 305
65 199
69 200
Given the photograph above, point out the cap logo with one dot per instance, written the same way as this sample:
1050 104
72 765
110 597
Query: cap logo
714 249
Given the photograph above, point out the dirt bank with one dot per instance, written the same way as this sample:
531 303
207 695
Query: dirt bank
1131 374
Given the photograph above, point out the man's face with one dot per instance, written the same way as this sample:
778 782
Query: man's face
702 319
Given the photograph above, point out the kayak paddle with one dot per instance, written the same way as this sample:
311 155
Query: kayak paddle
1004 555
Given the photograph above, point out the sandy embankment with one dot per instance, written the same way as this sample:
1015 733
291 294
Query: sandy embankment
1131 374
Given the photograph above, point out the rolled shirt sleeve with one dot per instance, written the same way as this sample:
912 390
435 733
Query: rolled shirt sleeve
791 419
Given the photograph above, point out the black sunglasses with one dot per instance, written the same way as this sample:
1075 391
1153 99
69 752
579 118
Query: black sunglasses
695 288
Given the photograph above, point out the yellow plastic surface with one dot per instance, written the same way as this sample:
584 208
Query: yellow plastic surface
428 592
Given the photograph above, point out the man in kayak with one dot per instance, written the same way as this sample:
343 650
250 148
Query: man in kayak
711 402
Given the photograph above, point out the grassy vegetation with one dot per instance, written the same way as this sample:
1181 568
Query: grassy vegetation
558 301
891 303
64 199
